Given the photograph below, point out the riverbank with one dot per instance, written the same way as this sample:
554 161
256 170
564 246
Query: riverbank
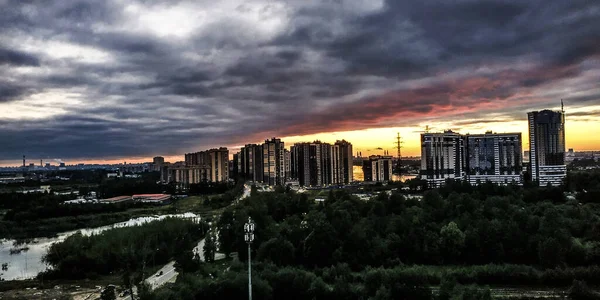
50 227
27 264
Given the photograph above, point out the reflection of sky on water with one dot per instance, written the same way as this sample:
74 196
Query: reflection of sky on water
359 176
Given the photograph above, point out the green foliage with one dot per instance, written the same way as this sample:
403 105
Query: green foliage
452 240
122 249
226 232
458 224
277 250
209 188
210 247
231 192
580 291
395 246
470 293
187 262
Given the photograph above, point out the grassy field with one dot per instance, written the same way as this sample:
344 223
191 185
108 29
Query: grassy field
192 203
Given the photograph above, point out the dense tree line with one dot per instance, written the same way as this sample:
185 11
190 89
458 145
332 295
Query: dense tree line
584 163
209 188
113 187
42 214
586 184
394 246
124 250
489 224
226 198
24 201
69 210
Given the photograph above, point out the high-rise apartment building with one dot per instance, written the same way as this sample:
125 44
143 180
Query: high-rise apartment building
547 147
214 161
378 168
157 163
184 175
287 157
442 157
311 163
273 162
251 162
234 166
219 164
342 162
494 157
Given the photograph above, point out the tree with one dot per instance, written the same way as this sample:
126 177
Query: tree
580 291
551 253
227 234
447 285
187 262
452 240
210 247
321 242
279 251
126 277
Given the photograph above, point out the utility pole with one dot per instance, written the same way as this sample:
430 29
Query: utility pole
249 237
399 149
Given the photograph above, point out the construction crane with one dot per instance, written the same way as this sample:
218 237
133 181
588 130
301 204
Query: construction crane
427 129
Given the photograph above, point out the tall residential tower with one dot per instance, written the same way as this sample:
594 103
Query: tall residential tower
494 157
342 162
442 157
547 147
274 162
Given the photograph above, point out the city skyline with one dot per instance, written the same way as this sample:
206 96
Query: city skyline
414 150
108 81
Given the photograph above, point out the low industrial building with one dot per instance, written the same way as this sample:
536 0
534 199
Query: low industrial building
118 199
153 198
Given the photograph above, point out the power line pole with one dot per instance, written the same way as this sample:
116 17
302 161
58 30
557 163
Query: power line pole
399 149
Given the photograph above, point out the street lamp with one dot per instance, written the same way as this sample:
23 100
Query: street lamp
249 237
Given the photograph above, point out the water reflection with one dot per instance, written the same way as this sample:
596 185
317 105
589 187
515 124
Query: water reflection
27 264
359 176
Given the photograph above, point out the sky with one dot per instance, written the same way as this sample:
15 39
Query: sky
115 80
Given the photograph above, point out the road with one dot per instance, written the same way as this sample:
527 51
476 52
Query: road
246 194
168 274
168 271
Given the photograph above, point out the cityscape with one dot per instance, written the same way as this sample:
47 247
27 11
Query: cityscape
272 149
477 158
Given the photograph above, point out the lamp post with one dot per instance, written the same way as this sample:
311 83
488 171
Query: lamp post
249 237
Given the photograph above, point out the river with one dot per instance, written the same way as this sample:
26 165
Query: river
359 176
28 263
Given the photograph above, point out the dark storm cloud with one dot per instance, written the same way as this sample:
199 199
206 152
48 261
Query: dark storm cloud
328 66
595 113
12 57
11 91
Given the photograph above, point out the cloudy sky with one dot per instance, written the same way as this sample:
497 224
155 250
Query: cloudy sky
116 79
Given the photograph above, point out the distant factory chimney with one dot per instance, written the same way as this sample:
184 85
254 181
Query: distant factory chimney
41 164
23 161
